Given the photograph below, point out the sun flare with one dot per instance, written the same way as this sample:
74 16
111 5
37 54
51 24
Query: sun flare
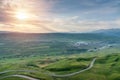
22 15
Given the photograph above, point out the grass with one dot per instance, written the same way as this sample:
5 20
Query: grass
107 66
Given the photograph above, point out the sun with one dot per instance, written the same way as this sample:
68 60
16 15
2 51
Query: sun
21 15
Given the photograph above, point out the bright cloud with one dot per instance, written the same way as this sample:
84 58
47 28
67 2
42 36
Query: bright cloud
59 15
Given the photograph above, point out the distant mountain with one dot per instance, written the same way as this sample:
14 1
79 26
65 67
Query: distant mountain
5 32
13 44
109 32
102 32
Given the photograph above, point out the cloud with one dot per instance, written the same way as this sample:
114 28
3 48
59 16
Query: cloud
86 7
71 24
60 15
37 9
75 25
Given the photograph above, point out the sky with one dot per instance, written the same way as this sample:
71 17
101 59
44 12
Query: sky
43 16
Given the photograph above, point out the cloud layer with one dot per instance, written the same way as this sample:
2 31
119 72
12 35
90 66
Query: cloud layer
60 15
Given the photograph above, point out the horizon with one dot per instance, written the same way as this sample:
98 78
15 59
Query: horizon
59 39
59 32
58 16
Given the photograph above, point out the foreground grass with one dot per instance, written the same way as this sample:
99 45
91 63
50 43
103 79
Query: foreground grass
107 67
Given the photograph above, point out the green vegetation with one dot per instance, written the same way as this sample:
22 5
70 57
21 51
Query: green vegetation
106 67
47 54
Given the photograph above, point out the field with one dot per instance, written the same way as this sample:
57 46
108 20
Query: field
106 67
40 56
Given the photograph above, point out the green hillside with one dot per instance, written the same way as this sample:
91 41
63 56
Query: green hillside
40 56
106 67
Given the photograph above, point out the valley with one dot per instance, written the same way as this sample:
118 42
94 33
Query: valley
49 56
59 39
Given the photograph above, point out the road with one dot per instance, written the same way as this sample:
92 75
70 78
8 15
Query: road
17 71
20 76
72 74
53 75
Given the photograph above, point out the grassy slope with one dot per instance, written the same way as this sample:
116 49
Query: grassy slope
107 67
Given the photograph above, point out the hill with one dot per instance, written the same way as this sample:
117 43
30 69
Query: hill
109 32
59 53
14 44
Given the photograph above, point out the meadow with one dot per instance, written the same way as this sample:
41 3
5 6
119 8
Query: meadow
41 56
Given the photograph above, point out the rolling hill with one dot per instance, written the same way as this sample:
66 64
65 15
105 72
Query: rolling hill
109 32
14 44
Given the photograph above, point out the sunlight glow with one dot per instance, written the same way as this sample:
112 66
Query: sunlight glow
22 15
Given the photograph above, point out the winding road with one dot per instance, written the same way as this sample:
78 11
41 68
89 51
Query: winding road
20 76
53 75
4 72
75 73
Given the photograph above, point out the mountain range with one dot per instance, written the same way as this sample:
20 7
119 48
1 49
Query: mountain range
109 32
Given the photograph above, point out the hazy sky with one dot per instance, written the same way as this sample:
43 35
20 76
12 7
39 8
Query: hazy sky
59 15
